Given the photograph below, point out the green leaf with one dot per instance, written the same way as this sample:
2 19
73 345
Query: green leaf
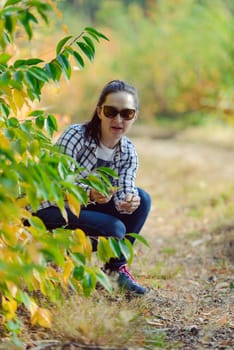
139 238
78 59
62 169
39 73
32 61
4 109
11 2
37 223
78 273
124 249
5 77
104 280
18 76
61 44
86 50
54 70
114 246
78 258
19 63
79 193
88 282
36 113
25 17
51 124
107 171
9 24
104 252
130 248
40 121
12 122
93 32
4 57
29 62
65 65
89 43
25 299
43 15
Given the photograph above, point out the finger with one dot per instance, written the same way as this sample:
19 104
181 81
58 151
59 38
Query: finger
135 199
129 197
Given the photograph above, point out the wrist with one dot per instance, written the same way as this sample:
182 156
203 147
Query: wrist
90 196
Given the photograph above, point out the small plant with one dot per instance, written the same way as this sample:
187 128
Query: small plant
32 170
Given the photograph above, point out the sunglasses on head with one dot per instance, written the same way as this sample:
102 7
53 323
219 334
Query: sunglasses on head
111 112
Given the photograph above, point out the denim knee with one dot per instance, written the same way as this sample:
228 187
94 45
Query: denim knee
118 229
145 199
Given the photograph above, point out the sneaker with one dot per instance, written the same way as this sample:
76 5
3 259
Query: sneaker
126 281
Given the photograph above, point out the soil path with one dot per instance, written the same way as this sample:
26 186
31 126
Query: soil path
191 232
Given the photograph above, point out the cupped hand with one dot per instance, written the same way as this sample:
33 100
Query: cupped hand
130 204
100 198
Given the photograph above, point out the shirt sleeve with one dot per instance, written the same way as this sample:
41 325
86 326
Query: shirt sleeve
70 143
129 163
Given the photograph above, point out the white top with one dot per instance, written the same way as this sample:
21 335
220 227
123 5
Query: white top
105 155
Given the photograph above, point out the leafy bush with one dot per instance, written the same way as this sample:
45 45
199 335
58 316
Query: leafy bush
31 258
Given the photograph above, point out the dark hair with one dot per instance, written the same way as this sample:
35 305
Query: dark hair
93 127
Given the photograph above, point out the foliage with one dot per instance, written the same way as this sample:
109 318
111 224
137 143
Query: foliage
178 54
33 259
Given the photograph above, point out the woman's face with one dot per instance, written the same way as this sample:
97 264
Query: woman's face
115 104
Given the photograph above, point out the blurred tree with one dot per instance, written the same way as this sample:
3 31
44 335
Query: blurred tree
179 54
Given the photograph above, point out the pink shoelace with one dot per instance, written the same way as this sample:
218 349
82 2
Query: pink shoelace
124 269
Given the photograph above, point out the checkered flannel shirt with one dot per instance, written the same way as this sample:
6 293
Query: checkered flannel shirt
125 163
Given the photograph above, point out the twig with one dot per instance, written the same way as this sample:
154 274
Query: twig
91 347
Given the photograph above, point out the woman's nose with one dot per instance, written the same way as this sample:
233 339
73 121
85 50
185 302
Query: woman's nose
118 116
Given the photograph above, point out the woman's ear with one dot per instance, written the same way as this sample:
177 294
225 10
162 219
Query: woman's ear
99 112
136 115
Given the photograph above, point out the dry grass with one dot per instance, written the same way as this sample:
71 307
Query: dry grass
189 267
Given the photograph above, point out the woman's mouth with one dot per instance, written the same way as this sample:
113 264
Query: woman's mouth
117 128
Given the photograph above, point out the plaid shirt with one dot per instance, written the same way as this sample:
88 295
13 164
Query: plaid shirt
125 163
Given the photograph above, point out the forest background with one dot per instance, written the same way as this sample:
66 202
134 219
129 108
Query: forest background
179 55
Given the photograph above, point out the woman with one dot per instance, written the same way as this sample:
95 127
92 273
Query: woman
102 142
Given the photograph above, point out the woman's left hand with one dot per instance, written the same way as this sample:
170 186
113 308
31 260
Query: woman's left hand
130 204
100 198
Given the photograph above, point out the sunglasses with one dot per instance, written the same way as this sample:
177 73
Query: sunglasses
111 112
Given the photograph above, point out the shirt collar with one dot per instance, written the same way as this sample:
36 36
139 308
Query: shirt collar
123 144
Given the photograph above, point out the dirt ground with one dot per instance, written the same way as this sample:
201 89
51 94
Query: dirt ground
191 233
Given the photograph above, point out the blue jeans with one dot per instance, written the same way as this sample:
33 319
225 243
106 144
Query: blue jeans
101 220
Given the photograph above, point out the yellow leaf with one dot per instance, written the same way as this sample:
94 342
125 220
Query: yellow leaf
42 317
11 102
83 244
2 26
4 142
74 205
22 202
34 282
12 288
39 281
9 305
33 308
10 233
51 272
19 98
68 267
